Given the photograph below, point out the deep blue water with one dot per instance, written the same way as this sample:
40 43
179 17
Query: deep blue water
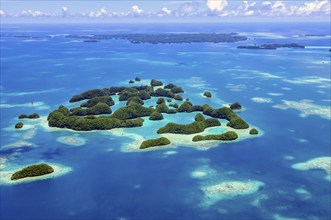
114 184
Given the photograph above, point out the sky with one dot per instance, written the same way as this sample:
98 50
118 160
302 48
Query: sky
164 10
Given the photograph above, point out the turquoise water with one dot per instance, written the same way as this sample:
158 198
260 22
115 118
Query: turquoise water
107 183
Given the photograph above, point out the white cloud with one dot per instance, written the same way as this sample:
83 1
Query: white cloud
103 10
280 8
31 13
216 5
315 7
97 14
222 8
64 11
187 9
136 10
164 12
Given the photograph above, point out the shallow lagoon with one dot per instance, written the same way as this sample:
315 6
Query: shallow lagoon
113 183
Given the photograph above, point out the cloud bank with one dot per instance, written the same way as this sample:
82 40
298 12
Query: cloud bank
221 8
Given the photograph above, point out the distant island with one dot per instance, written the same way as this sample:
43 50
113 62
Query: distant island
95 113
165 38
271 46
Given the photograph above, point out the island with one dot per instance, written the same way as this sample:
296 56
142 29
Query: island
94 112
271 46
170 38
207 94
198 126
91 41
156 116
227 136
253 131
19 125
32 116
154 142
32 171
235 106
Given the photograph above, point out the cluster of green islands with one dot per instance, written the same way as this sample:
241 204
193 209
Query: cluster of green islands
95 113
165 38
19 125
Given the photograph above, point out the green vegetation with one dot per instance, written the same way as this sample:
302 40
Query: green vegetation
143 92
90 94
100 99
156 83
195 127
170 86
156 116
227 136
32 116
115 89
136 100
238 123
131 81
155 142
188 107
167 38
160 101
128 93
176 90
163 108
163 93
226 113
62 118
32 171
98 109
253 131
132 111
178 98
174 105
207 94
199 117
235 106
138 79
19 125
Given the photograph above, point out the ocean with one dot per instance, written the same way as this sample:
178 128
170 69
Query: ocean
285 93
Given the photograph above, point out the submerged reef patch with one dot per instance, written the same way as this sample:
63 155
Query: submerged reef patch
318 163
228 190
306 107
71 140
261 100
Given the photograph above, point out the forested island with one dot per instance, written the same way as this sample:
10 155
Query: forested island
165 38
95 113
32 171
